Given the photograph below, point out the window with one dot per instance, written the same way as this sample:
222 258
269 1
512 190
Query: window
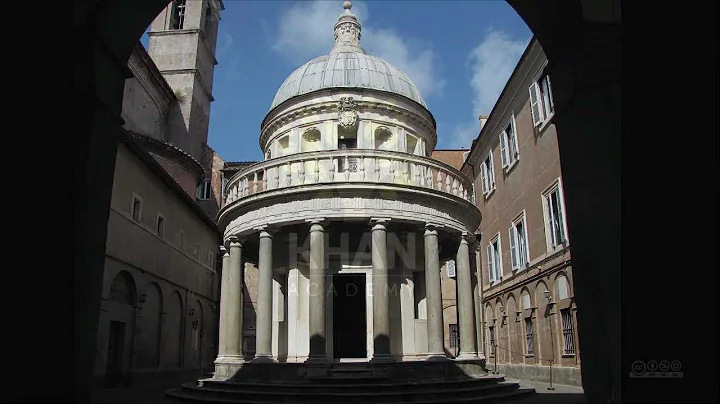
555 226
160 227
211 259
411 143
541 100
487 175
204 190
177 14
529 337
567 330
491 332
311 140
383 138
563 289
454 336
494 260
136 208
519 256
508 144
347 139
196 250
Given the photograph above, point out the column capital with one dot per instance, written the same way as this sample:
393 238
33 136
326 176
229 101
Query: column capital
235 241
317 224
224 250
266 231
432 229
379 223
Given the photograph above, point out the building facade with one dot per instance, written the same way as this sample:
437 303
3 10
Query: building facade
528 310
158 319
349 220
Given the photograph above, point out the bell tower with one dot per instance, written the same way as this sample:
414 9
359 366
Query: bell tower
182 43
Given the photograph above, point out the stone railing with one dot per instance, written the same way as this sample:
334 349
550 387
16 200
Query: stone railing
348 165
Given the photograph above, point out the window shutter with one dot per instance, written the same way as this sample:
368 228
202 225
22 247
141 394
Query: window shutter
550 94
491 262
526 243
535 106
514 139
491 172
484 179
550 219
503 149
513 247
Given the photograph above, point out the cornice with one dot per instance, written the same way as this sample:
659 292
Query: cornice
332 107
172 152
130 139
146 72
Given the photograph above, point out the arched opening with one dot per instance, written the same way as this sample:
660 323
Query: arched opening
174 327
196 335
147 351
383 138
563 287
514 330
122 289
587 118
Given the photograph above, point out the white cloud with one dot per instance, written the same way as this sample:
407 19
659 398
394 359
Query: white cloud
306 32
225 42
492 62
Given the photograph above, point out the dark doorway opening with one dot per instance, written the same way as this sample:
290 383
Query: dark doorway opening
115 353
349 323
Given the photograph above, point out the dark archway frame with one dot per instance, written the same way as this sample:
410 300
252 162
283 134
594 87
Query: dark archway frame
582 41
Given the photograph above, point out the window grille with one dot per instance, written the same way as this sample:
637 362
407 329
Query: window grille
567 330
121 289
454 336
529 336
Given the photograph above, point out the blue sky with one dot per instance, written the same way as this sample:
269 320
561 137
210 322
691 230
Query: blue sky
459 53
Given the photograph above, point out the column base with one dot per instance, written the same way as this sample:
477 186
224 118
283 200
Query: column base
227 367
436 357
317 360
264 359
467 356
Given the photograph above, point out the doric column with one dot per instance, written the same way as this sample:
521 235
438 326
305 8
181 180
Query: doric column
231 311
316 291
475 273
465 303
381 306
433 294
263 344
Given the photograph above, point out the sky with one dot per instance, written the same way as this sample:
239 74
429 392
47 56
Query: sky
460 54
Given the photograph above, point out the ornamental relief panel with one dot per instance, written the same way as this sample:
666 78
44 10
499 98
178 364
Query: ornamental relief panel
448 214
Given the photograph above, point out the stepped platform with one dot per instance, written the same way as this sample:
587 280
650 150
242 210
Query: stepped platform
399 382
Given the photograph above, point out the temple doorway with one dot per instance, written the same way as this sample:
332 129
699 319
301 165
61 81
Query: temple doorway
349 323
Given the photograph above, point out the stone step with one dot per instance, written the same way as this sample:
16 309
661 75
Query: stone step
178 394
357 394
373 383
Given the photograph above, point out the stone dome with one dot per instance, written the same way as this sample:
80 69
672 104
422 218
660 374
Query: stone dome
347 66
347 70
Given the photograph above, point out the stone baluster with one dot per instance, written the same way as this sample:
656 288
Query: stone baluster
347 167
317 171
448 180
417 174
377 169
439 180
454 186
362 169
288 175
428 176
393 162
331 169
301 171
265 179
255 182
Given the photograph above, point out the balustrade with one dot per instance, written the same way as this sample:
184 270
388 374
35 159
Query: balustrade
348 165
